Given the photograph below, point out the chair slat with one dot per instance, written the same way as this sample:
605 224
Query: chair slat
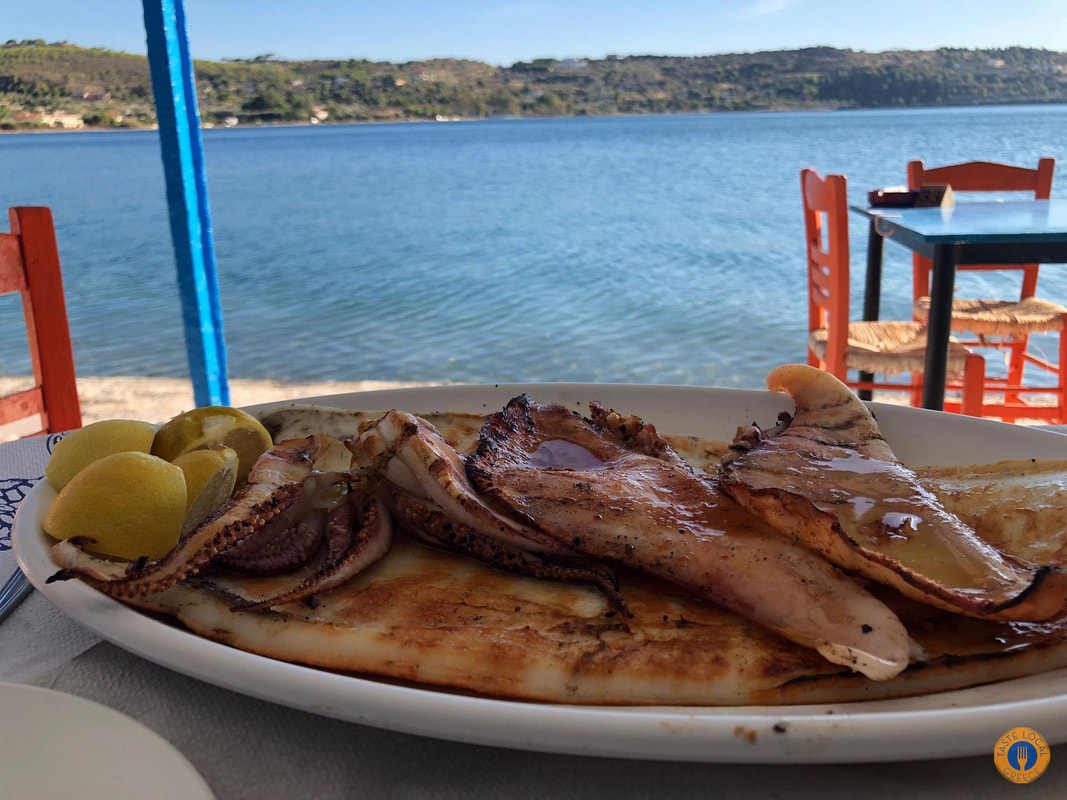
20 405
36 256
12 277
984 176
820 281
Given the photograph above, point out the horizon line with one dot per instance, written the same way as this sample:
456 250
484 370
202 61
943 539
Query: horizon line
270 56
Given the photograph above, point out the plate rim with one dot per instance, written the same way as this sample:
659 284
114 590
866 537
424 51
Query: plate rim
824 733
192 783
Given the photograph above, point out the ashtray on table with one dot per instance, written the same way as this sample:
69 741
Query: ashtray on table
929 196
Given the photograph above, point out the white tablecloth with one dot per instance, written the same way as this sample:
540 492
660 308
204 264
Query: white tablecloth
250 748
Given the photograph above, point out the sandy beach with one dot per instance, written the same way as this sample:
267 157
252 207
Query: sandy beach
159 399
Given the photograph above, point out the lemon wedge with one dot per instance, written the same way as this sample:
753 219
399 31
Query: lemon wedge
333 455
210 476
82 447
132 504
212 427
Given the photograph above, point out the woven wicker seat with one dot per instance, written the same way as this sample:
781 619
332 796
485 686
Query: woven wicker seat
838 345
887 348
1000 317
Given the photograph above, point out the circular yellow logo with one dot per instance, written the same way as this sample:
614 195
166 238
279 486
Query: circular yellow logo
1021 755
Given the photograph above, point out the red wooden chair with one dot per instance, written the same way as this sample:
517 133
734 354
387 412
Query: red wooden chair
1004 324
29 264
837 345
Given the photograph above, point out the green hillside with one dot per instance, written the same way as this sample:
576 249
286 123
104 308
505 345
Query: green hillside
109 88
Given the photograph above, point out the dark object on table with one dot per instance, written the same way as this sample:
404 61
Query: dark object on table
896 197
929 196
932 195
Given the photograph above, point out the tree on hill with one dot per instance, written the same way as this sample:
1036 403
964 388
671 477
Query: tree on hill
87 80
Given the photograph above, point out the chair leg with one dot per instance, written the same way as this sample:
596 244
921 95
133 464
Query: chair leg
973 385
916 389
1061 383
1016 366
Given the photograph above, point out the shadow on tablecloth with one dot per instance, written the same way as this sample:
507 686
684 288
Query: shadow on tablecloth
248 748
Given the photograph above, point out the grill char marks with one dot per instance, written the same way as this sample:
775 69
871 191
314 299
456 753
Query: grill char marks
409 453
632 501
430 495
275 483
358 533
427 522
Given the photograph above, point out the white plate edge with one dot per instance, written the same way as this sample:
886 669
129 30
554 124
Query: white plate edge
686 729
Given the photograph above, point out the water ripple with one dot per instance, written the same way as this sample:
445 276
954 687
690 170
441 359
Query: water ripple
651 249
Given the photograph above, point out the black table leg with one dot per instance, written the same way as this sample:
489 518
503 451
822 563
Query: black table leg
939 326
872 290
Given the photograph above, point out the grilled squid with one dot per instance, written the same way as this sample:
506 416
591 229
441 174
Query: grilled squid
827 478
287 515
617 491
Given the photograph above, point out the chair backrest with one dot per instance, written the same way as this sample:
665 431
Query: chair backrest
826 230
983 176
29 264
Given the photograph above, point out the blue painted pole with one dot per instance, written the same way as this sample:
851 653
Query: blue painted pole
174 90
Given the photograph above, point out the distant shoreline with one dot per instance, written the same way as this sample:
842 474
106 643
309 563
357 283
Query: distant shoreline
420 120
67 83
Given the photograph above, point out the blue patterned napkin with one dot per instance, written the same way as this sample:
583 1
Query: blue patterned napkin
21 466
38 638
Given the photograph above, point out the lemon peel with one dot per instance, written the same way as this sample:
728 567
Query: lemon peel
131 504
82 447
212 427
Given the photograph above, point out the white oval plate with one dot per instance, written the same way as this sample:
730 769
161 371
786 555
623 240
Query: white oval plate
59 745
960 723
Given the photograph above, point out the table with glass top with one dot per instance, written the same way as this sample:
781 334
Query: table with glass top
1017 232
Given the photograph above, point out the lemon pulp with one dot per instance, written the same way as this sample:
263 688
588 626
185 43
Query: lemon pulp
210 476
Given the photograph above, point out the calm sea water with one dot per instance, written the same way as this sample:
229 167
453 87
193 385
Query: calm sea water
644 249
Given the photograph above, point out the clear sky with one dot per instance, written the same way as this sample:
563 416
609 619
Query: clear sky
505 31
